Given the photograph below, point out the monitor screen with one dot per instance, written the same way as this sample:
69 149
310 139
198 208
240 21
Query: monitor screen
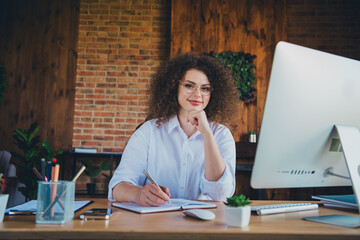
309 92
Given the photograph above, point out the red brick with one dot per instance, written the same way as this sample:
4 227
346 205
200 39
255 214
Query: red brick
82 125
85 73
106 138
103 125
82 137
94 131
84 102
114 132
90 143
104 114
81 113
96 62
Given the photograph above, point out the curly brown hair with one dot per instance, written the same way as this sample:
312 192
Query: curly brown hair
163 102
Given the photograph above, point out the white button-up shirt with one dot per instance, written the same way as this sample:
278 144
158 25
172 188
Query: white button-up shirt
175 161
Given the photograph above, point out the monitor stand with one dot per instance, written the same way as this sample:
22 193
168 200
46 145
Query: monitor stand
350 141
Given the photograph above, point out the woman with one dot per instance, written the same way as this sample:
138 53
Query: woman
183 145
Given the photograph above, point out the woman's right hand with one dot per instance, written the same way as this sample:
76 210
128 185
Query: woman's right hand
151 196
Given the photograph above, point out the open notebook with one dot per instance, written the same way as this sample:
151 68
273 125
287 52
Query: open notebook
176 204
30 207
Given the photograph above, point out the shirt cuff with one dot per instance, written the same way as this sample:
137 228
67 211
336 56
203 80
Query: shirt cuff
218 190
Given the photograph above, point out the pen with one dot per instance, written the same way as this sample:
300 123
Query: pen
37 173
153 181
55 178
43 168
48 170
53 169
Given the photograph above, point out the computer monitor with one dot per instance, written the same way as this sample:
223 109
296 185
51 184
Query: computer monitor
309 92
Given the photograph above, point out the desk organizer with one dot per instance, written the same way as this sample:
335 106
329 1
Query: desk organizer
55 202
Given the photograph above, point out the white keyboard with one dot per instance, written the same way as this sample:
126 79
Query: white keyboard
283 208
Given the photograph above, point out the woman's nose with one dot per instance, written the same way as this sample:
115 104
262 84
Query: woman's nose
197 91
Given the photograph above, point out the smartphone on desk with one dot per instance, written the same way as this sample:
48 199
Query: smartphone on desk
97 214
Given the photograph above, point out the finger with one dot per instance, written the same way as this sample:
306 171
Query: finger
165 190
154 195
148 197
159 193
150 203
193 117
155 202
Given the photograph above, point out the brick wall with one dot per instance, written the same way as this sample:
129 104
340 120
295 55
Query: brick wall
328 25
121 43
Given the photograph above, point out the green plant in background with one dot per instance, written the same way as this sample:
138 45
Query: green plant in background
252 132
242 68
2 82
47 151
32 150
107 167
28 142
237 201
93 171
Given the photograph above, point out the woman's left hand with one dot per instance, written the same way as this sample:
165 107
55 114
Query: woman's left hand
199 120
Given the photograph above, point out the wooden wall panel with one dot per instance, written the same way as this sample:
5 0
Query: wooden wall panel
38 48
231 25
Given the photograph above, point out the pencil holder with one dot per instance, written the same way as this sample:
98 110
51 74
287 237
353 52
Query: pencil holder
55 202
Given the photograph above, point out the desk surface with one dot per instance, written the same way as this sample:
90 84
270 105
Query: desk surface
174 225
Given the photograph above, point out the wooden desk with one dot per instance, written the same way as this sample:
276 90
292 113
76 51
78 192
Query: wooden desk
174 225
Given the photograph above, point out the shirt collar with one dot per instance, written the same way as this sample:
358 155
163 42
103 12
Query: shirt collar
173 123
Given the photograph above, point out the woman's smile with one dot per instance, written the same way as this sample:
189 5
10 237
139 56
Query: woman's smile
195 102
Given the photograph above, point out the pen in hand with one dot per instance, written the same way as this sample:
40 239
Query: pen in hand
153 181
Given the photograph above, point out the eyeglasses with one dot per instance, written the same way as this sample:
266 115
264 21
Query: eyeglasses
191 88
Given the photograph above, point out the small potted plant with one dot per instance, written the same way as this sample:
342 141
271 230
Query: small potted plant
92 172
237 211
252 136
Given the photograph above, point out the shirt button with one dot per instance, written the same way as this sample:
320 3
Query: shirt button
185 142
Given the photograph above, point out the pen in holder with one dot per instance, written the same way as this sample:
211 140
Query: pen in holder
49 210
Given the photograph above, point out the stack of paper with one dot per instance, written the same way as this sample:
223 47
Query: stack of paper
85 150
338 201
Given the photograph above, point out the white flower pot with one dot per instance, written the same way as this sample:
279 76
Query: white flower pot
252 138
3 202
237 216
